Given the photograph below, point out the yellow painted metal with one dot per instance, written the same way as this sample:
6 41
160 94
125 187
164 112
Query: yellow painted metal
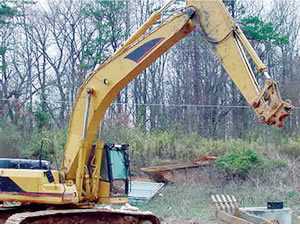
80 170
219 28
117 73
96 174
229 43
110 78
84 184
114 200
218 31
35 188
105 196
142 30
260 66
228 50
104 191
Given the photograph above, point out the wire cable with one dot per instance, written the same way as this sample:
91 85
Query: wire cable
167 105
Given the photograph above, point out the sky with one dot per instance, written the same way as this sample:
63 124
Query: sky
265 1
44 2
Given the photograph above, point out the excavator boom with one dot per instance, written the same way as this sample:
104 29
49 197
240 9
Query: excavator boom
142 49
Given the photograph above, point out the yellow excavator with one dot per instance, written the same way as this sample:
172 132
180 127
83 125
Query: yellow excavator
94 174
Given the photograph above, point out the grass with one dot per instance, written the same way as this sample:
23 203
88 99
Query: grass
189 203
274 176
184 203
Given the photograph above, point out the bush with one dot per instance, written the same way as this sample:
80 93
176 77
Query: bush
238 162
51 142
17 144
244 161
11 141
291 148
236 156
156 147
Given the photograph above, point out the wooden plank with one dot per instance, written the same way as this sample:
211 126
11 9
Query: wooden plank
170 167
253 219
230 219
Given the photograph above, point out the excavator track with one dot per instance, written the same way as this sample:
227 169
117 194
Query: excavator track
6 212
83 216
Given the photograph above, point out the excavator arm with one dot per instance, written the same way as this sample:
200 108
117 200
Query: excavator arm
141 50
231 45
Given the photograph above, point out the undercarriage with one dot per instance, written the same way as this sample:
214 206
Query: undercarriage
97 215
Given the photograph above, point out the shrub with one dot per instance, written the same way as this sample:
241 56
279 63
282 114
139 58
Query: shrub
11 141
156 147
291 148
51 142
238 162
245 161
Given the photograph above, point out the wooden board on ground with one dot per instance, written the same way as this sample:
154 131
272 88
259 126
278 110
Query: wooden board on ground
169 172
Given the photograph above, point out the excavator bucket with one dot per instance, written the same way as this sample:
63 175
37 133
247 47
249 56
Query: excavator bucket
270 107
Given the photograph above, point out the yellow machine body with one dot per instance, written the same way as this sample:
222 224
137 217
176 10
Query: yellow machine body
32 186
81 171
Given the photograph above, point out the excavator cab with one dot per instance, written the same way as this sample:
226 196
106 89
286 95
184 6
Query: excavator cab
115 173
